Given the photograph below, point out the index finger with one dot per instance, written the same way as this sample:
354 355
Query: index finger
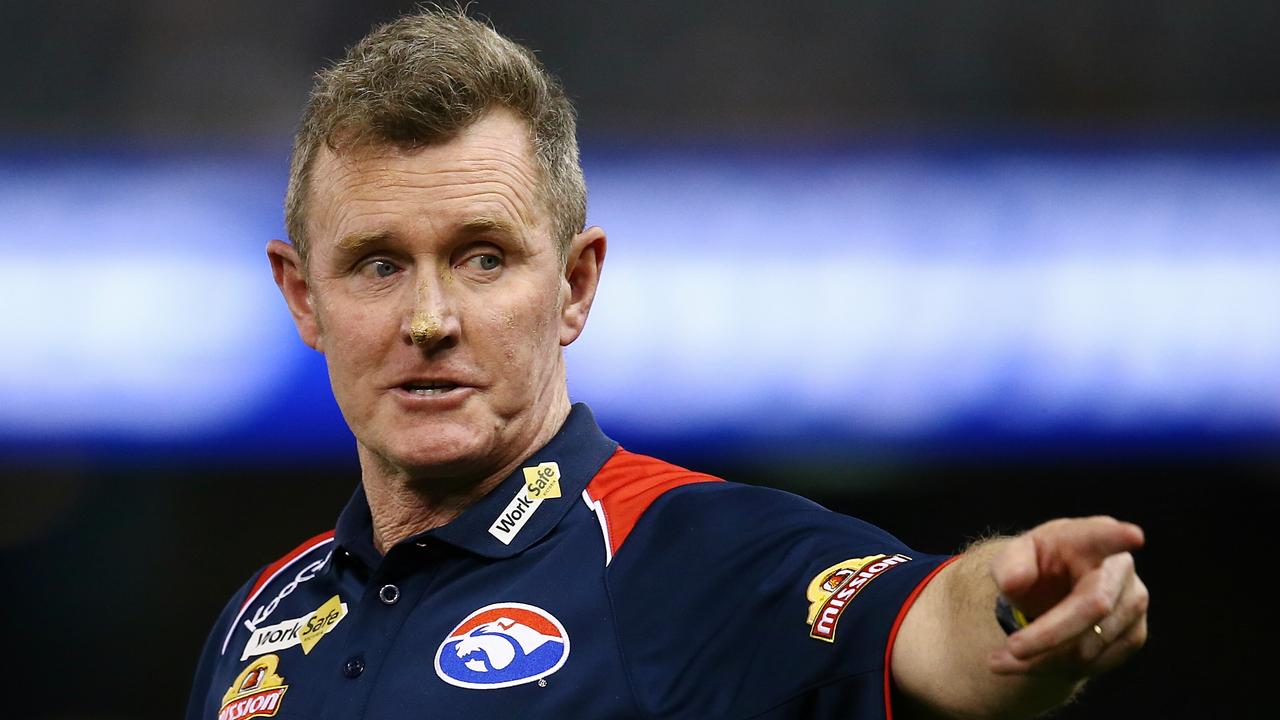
1089 540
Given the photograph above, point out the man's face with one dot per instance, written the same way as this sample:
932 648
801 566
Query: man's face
435 290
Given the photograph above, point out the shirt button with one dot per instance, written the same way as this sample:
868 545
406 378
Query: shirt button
353 667
389 594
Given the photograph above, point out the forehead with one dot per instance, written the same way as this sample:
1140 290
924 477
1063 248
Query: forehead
484 174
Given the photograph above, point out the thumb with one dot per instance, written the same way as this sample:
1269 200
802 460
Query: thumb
1016 568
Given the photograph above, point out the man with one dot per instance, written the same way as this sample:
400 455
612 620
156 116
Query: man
501 557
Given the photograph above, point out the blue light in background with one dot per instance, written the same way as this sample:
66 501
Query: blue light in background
910 295
137 300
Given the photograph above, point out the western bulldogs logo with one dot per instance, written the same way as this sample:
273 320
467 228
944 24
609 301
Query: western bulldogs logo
502 645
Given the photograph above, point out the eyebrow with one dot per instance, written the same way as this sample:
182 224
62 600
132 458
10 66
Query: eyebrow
481 225
485 224
361 239
357 241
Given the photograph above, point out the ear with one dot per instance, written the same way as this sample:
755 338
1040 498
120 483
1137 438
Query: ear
583 260
291 278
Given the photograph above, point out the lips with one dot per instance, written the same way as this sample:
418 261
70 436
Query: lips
430 388
427 386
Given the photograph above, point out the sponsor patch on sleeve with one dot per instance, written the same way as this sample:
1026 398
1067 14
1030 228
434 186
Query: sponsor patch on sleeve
256 692
833 589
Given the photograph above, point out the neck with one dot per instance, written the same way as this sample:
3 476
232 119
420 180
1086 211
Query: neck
404 502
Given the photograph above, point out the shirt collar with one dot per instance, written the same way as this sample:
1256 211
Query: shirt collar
571 458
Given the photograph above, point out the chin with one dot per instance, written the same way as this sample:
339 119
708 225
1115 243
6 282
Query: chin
448 448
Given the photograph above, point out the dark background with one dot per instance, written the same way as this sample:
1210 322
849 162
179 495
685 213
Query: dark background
115 568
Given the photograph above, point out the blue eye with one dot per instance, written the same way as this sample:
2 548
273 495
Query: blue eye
488 262
383 268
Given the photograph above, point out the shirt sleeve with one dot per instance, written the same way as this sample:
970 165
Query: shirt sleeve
199 705
735 601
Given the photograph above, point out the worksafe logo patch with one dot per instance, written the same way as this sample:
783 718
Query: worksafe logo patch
831 590
540 483
502 645
305 631
257 691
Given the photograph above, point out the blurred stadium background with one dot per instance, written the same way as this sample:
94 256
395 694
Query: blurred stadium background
955 268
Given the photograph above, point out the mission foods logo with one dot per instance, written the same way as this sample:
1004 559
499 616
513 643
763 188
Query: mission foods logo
257 692
502 645
831 591
540 483
305 631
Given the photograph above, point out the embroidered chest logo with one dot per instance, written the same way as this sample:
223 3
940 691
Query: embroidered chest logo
257 692
831 590
540 483
502 645
305 631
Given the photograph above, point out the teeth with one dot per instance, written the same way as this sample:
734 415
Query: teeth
432 390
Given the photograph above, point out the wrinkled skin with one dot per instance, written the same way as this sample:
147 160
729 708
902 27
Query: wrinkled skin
437 265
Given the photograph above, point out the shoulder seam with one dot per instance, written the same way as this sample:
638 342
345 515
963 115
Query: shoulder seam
270 572
624 489
641 710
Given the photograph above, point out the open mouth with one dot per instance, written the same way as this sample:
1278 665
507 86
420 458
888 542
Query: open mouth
428 389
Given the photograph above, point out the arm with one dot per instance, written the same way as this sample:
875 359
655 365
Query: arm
199 704
952 659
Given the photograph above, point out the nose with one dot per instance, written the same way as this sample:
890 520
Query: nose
431 322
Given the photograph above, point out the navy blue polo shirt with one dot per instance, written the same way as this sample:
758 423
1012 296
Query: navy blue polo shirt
592 583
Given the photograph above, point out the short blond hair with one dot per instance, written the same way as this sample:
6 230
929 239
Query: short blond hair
421 79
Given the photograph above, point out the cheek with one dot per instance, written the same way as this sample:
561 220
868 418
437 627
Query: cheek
354 336
510 331
524 337
520 353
